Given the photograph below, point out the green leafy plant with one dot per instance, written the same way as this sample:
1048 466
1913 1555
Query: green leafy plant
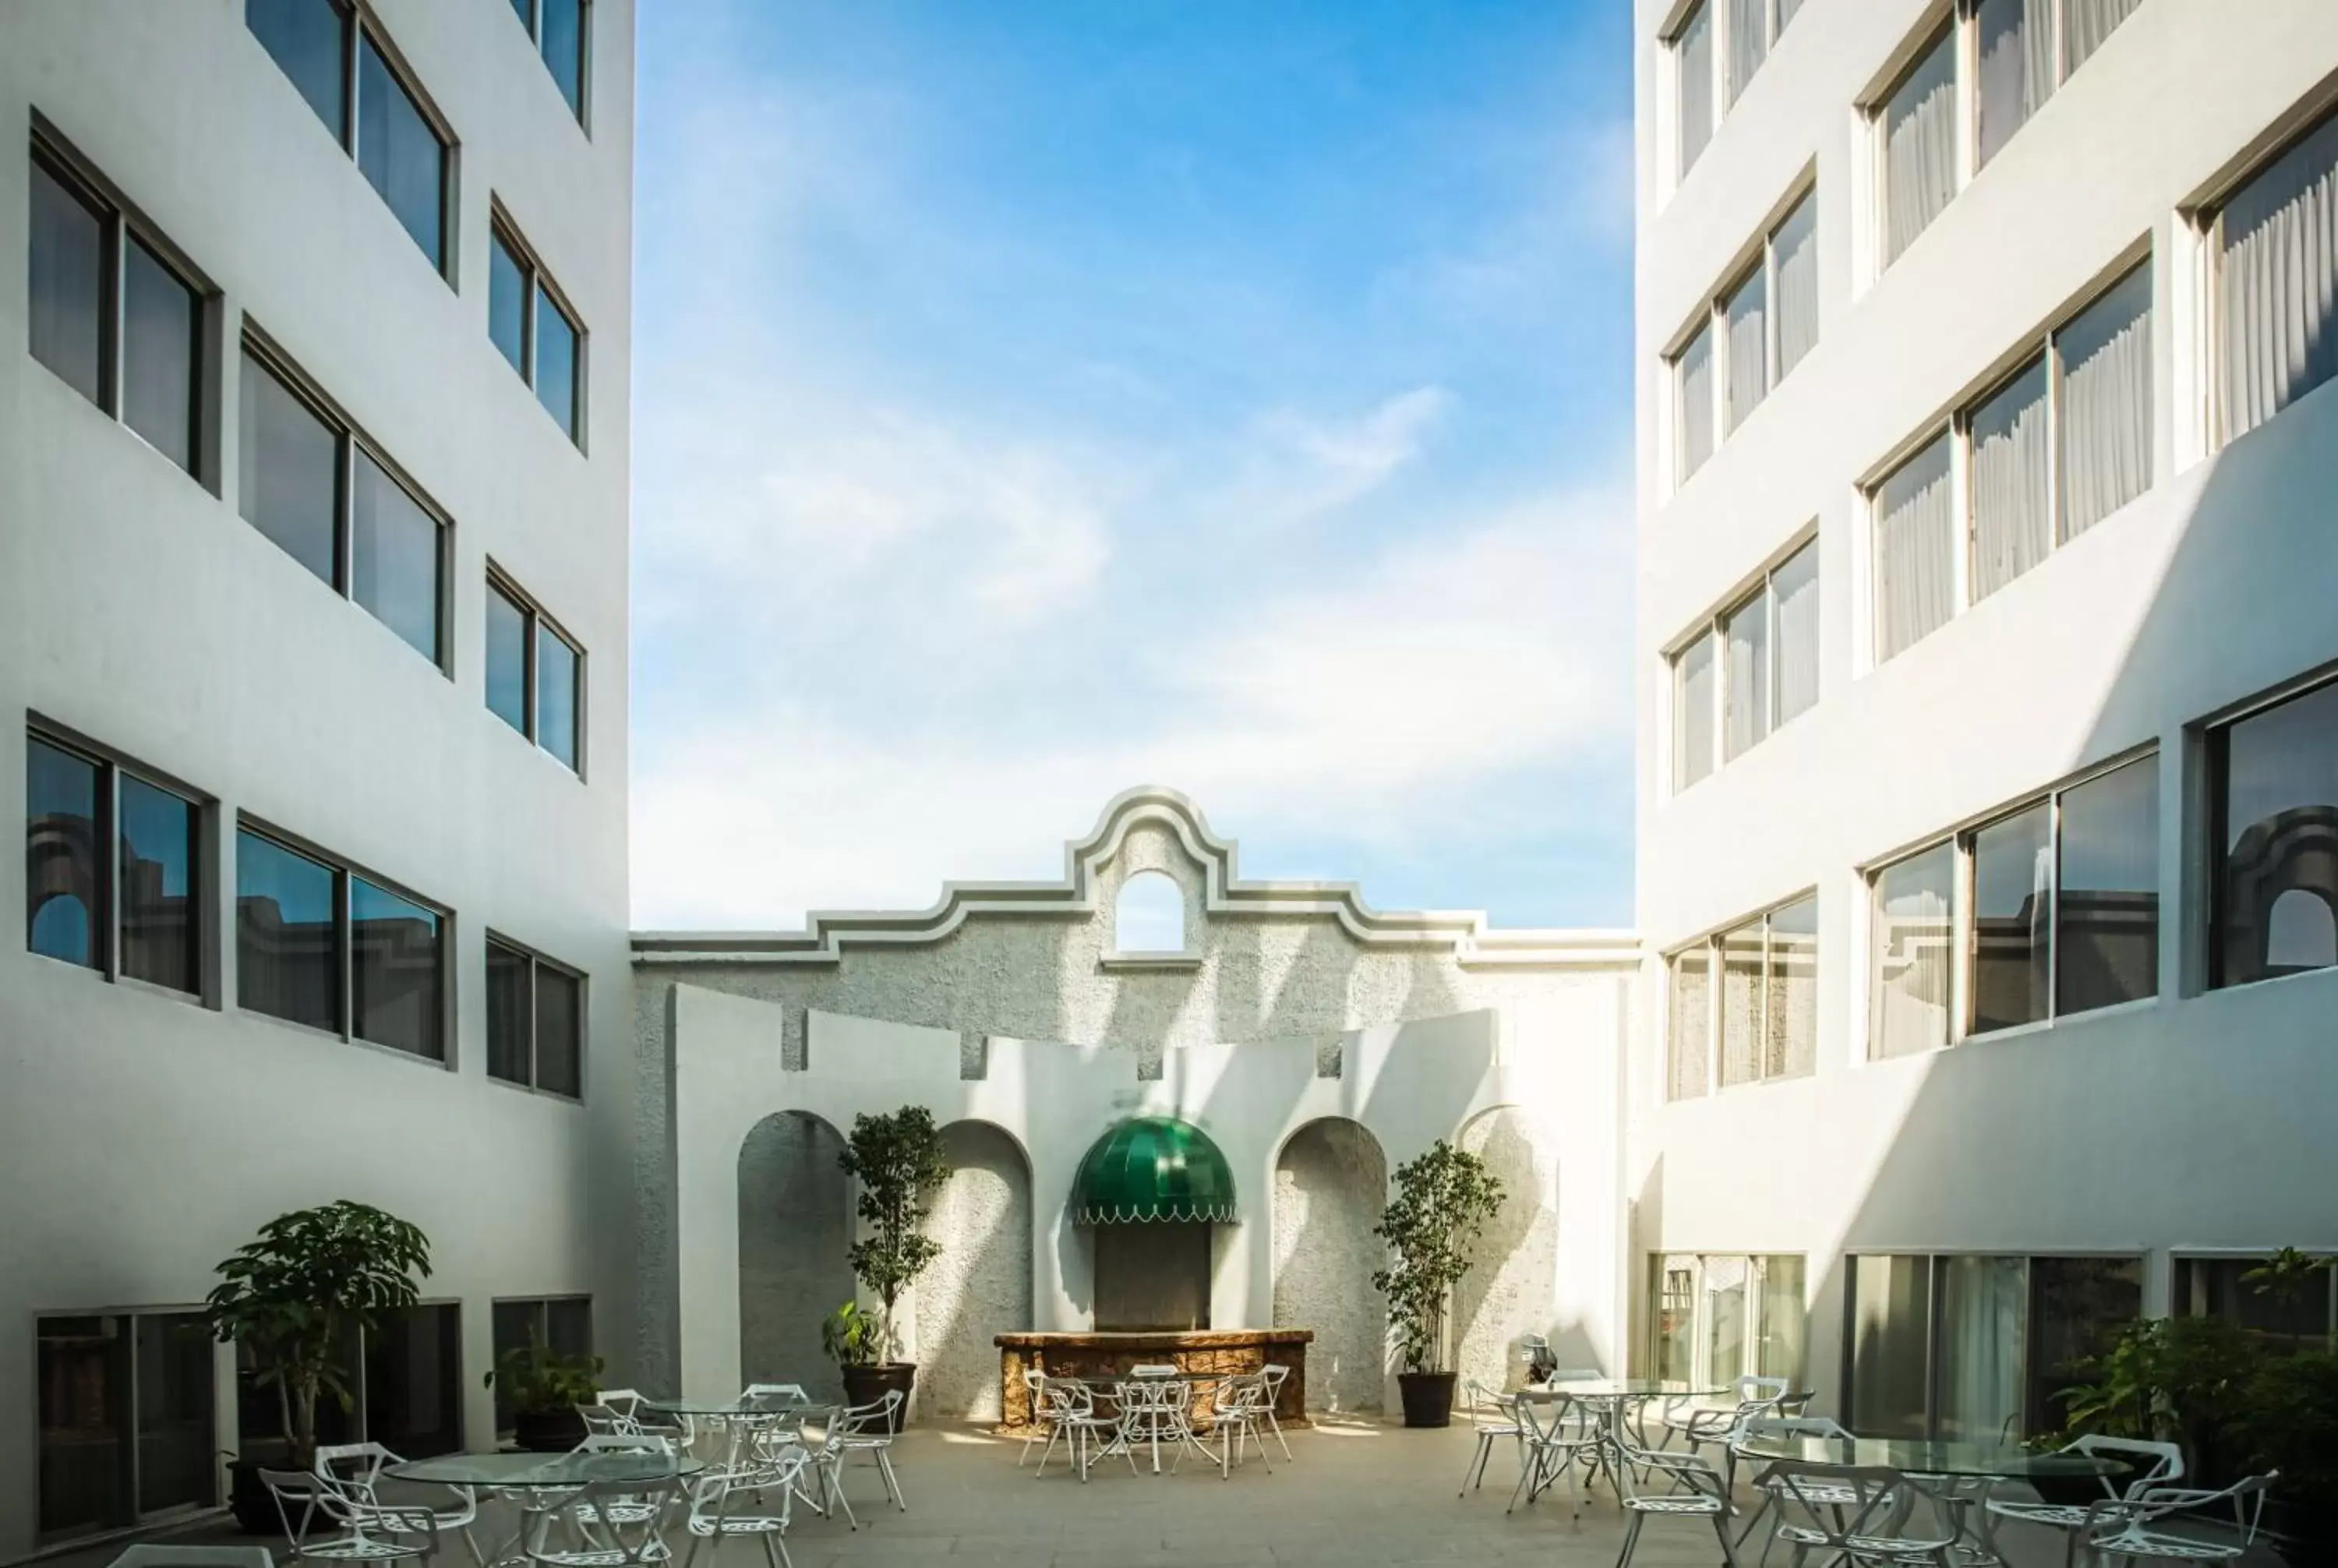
850 1336
537 1380
2185 1377
899 1160
1442 1202
296 1299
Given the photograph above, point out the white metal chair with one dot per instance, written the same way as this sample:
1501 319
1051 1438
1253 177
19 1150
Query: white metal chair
1037 1407
616 1524
1554 1434
1696 1492
1073 1416
1814 1489
1872 1529
1239 1413
2153 1465
363 1532
775 1396
1493 1417
2127 1532
359 1466
1275 1375
1157 1410
736 1500
861 1429
1702 1424
619 1504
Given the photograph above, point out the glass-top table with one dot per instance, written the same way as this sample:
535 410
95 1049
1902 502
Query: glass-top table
543 1471
1600 1388
1999 1460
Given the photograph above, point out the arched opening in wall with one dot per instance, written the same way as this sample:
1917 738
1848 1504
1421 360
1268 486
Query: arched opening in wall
795 1223
2301 934
1149 916
981 1283
1511 1289
1331 1183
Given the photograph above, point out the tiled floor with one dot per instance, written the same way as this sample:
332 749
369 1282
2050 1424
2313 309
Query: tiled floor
1353 1497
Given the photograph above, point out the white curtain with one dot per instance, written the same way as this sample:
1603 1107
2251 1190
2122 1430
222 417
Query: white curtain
1748 318
2012 488
1695 374
2105 409
1786 9
1693 84
1795 263
1741 1004
1794 589
1908 978
1749 42
1920 148
1915 551
2086 24
1745 717
2017 67
1693 714
1982 1349
1790 1038
2278 283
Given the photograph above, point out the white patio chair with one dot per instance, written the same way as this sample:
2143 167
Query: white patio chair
1275 1375
1702 1424
1874 1529
1695 1491
778 1397
1239 1413
357 1466
1554 1434
1493 1417
1072 1415
152 1556
2152 1465
1036 1425
615 1525
752 1498
860 1429
620 1503
1815 1490
2129 1533
361 1532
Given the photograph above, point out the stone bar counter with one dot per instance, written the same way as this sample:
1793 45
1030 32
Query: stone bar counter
1202 1353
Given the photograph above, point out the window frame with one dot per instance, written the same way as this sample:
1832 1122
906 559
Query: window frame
1711 943
1712 317
537 284
2207 224
535 620
533 26
1723 94
1715 627
541 1306
537 960
128 1407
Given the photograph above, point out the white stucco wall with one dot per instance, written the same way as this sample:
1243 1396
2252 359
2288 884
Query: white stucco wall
1330 1185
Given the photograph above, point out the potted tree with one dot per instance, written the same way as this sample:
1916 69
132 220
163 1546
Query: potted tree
1442 1202
295 1302
545 1389
898 1160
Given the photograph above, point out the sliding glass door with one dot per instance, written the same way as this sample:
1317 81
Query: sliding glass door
1717 1317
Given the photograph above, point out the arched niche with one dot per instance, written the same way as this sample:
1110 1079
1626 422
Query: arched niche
1506 1294
981 1283
1331 1183
2301 932
1149 914
795 1224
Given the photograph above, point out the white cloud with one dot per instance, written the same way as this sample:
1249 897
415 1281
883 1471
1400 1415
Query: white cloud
1304 464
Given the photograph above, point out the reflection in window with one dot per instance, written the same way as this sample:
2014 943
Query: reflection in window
160 913
535 675
288 954
66 285
2106 898
2274 787
533 329
2013 911
562 45
536 1021
394 557
506 659
562 1324
400 154
291 481
1724 1316
510 1054
2299 1315
309 40
507 287
64 855
1914 952
555 695
394 971
161 355
556 339
1149 914
125 1411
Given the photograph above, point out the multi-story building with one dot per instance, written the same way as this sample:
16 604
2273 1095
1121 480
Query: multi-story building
1987 754
314 350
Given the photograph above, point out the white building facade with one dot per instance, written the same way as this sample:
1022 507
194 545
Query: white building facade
314 354
1986 778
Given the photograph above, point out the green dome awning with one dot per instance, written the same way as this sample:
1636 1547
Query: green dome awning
1153 1168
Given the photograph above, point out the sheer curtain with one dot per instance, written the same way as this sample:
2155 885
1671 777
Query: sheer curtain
1741 1004
1693 371
1693 695
1693 84
2278 283
1982 1349
2012 490
2017 67
2105 413
1795 263
1786 9
1915 551
1909 980
1794 589
1920 148
1745 718
1747 314
1749 42
1791 1025
2086 24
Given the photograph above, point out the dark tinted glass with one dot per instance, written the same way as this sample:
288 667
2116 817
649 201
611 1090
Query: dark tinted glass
512 1326
1890 1328
2108 917
555 362
508 1022
2076 1305
287 943
414 1382
568 1325
2294 1317
507 303
2278 884
82 1366
306 38
160 319
394 970
507 660
399 153
559 1031
525 9
176 1387
555 695
291 484
64 856
394 557
564 49
66 286
2013 902
162 910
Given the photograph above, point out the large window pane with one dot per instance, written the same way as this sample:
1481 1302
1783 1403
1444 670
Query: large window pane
1741 1004
400 154
1693 79
1693 698
1920 148
2017 67
176 1438
1891 1322
1673 1329
1794 260
568 1325
1915 551
1745 633
2106 909
1722 1309
1984 1337
394 557
2277 283
506 659
162 910
2277 884
1690 1022
64 856
1789 1044
395 970
512 1326
2076 1305
414 1382
306 39
291 484
559 1031
507 303
1747 317
83 1406
66 285
1795 587
287 936
1749 42
508 1028
2086 24
2013 911
2296 1319
1692 392
556 696
1779 1352
564 49
556 363
2012 483
160 354
1913 941
2105 404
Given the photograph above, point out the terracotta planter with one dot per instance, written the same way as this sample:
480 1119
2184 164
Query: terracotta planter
1427 1398
867 1385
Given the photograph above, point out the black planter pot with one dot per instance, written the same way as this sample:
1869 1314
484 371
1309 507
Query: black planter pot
547 1431
867 1385
1427 1398
248 1501
2068 1491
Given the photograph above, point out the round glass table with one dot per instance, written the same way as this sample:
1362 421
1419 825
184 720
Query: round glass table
1997 1461
1605 1388
542 1471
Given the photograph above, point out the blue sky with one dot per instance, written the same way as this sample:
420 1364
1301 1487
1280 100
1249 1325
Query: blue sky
1033 401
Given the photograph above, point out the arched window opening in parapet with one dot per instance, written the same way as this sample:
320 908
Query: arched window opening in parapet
1149 916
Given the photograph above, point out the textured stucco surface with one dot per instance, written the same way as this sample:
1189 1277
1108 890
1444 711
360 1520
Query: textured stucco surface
981 1284
795 1221
1329 1187
1508 1293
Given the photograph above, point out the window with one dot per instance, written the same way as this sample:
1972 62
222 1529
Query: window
328 498
2052 451
399 142
2063 895
1692 62
536 1021
1754 28
2275 246
2298 1313
532 328
1761 1023
126 1430
1977 1348
1720 1316
1749 29
113 869
562 30
1764 323
562 1325
1692 395
310 933
1149 914
536 674
109 316
1768 645
405 1381
2272 783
